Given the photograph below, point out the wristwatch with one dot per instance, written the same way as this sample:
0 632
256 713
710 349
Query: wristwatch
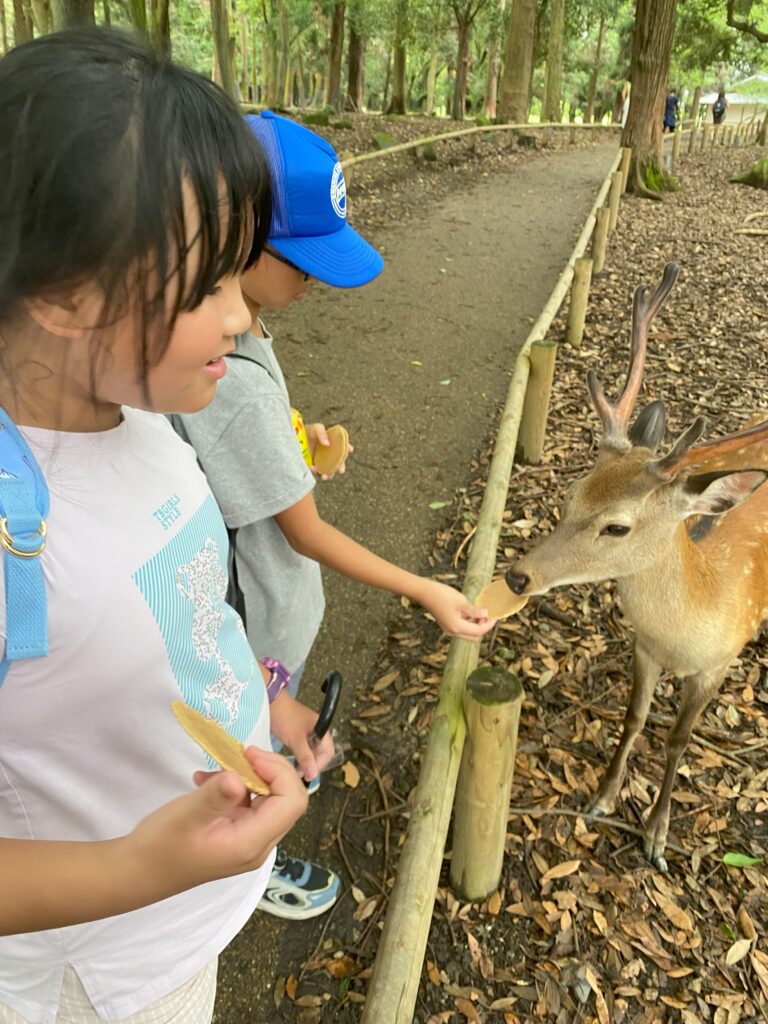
279 677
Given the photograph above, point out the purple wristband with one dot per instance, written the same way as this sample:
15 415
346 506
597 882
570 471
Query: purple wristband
279 677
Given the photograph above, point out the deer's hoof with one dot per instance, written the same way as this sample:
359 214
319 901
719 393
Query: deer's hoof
598 807
655 854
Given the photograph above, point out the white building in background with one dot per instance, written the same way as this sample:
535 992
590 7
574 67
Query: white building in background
746 99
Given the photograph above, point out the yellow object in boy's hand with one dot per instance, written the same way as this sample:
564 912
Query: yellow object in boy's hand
301 435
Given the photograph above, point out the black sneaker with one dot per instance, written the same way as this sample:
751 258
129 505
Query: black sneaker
298 889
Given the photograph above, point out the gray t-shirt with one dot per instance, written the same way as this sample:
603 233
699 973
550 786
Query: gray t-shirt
247 447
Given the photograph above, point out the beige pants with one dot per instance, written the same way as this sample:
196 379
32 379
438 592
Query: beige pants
191 1003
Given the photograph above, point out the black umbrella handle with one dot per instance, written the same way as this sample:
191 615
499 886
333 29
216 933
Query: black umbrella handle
331 687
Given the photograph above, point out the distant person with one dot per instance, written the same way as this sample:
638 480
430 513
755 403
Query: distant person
719 108
671 111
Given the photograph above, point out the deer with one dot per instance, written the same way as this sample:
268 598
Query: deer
685 536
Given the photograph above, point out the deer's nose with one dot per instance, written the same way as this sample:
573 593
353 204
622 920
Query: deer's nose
516 581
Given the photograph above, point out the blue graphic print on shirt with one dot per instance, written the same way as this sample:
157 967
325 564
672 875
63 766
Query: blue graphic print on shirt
184 585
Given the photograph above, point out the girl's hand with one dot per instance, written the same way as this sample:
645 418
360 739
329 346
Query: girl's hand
453 612
221 829
293 722
317 434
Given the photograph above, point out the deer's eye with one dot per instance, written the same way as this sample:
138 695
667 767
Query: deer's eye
614 530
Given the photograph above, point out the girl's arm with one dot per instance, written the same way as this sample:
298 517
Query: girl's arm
216 831
312 537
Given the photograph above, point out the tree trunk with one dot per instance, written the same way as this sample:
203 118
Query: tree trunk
107 13
355 63
333 85
397 103
245 77
494 60
3 27
23 29
302 100
255 84
463 29
160 26
136 12
387 80
42 18
651 50
553 83
592 87
72 13
284 53
695 103
288 86
518 63
434 54
222 47
270 65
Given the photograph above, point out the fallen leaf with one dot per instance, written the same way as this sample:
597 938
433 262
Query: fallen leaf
738 951
676 914
351 774
561 870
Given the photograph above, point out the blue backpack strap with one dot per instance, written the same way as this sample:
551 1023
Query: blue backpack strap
24 504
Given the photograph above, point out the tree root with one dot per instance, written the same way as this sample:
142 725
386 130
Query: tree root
638 186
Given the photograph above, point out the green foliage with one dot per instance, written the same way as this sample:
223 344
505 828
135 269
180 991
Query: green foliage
382 140
756 176
659 180
319 118
740 860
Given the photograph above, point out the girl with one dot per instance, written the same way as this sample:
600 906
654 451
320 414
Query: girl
130 191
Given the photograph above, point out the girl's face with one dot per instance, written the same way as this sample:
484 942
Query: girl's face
272 284
193 363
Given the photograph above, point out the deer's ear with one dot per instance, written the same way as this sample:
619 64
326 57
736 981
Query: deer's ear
650 426
711 494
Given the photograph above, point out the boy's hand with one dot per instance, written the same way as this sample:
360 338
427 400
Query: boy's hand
317 434
221 829
453 612
293 722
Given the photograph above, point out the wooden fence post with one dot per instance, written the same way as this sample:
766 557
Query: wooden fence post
705 137
692 140
626 156
676 147
577 308
600 239
492 702
533 422
615 199
349 173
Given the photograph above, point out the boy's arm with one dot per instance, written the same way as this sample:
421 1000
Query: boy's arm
312 537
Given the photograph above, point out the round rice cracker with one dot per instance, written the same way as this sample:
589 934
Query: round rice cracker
218 744
330 458
499 600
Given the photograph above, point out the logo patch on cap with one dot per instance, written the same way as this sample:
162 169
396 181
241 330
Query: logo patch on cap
339 192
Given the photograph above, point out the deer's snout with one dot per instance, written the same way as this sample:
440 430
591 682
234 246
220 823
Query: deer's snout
516 581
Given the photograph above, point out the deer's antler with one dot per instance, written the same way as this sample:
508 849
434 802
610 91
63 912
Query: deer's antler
615 417
685 456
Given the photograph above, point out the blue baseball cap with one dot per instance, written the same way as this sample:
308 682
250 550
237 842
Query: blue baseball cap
309 219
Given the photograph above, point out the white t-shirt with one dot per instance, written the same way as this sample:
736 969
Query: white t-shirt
135 570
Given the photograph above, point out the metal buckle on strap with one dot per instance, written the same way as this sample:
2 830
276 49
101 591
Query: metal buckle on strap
7 541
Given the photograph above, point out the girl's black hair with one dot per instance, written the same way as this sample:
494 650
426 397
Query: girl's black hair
100 142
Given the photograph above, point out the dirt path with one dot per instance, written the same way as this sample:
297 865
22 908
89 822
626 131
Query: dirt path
415 365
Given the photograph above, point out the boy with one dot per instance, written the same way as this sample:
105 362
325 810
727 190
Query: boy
246 445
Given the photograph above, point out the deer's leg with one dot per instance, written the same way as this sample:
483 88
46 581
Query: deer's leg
697 692
645 673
